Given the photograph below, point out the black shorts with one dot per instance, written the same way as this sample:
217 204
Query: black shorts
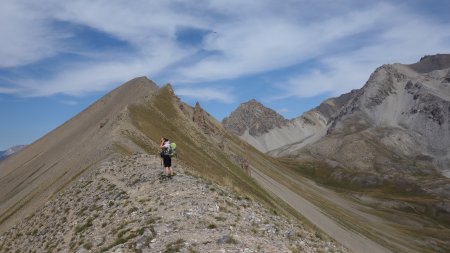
167 161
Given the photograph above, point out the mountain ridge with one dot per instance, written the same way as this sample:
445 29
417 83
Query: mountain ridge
129 120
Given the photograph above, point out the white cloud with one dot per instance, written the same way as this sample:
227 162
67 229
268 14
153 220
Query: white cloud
223 95
25 37
348 40
69 102
283 110
85 78
273 41
401 38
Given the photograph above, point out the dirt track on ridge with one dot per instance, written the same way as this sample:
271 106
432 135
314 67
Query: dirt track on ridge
350 239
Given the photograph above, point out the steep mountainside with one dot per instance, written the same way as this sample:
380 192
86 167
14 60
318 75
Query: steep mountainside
393 137
268 131
40 170
399 122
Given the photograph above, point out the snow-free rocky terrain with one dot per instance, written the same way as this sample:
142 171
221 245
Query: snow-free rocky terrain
126 205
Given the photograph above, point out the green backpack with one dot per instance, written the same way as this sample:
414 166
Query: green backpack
173 149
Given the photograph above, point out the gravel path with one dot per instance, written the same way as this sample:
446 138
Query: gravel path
352 240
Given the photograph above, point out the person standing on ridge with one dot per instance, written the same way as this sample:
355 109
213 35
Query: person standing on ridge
167 160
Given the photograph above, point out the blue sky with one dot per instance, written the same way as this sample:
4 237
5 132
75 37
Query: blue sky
57 57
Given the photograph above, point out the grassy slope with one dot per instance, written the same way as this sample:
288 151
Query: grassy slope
161 117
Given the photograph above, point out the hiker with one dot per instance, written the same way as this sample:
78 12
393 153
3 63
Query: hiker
165 148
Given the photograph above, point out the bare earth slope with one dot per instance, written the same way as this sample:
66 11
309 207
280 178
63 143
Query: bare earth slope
44 167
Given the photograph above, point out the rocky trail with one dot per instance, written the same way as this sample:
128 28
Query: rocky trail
126 205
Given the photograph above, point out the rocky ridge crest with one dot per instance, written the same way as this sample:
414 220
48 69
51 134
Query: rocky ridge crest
125 205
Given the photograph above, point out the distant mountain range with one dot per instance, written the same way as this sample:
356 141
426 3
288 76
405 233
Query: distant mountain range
391 138
399 121
5 153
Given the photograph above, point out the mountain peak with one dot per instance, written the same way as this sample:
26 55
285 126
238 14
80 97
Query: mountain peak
254 117
140 86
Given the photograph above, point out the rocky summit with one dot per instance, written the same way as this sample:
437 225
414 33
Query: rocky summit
127 205
254 118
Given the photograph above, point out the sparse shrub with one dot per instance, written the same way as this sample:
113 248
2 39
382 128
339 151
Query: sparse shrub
132 210
191 250
88 224
220 218
318 235
295 249
174 246
212 226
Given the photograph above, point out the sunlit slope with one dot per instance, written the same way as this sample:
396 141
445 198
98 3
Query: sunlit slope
31 177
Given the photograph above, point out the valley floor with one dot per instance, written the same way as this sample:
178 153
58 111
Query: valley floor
353 240
360 228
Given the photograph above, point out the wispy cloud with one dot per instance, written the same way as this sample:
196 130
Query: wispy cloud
399 38
235 39
222 94
69 102
25 36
